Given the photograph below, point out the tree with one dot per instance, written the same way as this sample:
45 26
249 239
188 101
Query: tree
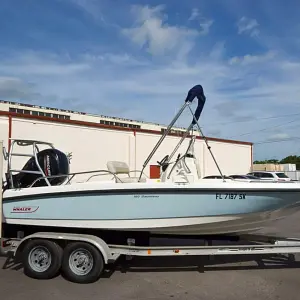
267 161
292 159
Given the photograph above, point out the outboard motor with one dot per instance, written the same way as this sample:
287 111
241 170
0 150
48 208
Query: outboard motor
52 162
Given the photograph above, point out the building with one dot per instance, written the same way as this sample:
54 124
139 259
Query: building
92 140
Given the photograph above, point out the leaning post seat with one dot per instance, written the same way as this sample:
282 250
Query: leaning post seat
120 167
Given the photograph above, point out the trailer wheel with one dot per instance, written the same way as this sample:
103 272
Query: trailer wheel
42 259
82 262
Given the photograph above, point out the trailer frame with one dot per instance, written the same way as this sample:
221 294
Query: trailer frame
106 254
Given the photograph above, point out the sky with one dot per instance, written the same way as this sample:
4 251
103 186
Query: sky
138 59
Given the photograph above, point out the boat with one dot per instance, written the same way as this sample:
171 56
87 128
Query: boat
44 194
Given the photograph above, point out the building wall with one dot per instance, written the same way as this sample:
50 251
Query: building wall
231 158
92 147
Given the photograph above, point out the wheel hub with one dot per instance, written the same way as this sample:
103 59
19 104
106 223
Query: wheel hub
81 262
39 259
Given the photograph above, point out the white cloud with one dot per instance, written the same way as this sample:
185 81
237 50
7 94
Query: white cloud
218 51
278 137
204 23
249 26
150 30
144 85
39 63
194 15
94 9
252 59
205 26
117 59
16 88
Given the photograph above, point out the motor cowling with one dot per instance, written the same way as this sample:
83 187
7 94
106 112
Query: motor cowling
52 162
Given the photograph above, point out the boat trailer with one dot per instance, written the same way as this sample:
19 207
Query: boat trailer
88 255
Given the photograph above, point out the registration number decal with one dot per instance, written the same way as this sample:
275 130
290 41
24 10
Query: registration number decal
232 196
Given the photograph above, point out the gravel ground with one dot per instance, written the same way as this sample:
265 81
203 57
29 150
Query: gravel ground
247 277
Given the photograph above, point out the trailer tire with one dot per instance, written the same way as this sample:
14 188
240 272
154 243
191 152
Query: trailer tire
49 252
82 263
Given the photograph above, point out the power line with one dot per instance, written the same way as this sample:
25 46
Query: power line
277 141
264 129
254 119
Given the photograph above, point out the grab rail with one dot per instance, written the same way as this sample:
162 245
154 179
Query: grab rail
73 175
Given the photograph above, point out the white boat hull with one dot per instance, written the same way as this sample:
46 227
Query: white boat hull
199 209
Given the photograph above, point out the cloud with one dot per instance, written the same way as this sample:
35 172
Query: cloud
252 59
150 30
234 111
94 9
16 89
194 15
41 63
107 80
278 137
121 59
205 26
91 7
214 132
218 51
204 23
109 83
249 26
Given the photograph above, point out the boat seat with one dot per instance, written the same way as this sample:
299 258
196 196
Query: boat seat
131 180
120 167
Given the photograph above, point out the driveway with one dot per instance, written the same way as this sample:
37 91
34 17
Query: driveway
228 277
